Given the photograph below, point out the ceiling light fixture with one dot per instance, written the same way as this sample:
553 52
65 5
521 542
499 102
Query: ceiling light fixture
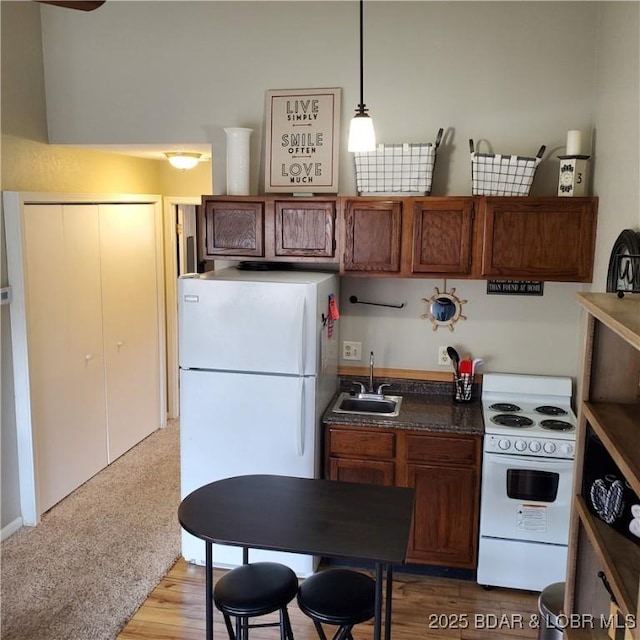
183 160
362 136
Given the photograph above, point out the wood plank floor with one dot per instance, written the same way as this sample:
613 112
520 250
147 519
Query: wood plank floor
424 608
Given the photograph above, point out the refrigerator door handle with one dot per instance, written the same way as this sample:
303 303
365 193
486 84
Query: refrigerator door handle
301 335
300 426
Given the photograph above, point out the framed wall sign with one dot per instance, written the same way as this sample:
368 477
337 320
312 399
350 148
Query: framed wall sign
516 287
302 140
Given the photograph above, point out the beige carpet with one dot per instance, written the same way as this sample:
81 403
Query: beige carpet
96 556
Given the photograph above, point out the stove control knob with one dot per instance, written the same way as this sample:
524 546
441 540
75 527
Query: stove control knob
535 446
520 445
566 449
504 444
549 447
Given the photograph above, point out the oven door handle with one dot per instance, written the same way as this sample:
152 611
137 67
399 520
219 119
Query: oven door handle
528 462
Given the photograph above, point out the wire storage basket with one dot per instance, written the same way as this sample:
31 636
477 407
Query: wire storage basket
397 168
500 175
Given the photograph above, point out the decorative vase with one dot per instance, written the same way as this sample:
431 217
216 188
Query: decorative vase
237 160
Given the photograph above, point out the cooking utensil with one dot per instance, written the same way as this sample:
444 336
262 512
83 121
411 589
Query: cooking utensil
455 358
466 367
476 363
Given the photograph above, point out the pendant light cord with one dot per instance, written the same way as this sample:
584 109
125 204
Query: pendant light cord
361 105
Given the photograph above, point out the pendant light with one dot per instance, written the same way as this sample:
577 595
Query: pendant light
362 137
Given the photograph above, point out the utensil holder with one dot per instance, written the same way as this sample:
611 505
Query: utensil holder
462 387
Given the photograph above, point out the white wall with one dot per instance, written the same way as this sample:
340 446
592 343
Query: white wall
151 72
617 125
515 334
516 74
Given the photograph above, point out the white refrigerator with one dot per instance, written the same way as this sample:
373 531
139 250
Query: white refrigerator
258 357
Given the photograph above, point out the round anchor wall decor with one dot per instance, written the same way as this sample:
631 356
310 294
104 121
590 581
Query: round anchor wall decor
443 309
623 275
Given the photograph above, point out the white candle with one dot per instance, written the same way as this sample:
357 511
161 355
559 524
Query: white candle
574 142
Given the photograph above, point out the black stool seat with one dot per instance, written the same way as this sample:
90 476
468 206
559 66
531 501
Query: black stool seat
255 590
339 597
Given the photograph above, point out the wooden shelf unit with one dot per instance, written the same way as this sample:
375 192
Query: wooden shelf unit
616 553
609 410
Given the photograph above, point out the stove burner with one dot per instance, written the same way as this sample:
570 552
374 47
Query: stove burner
556 425
511 420
504 406
549 410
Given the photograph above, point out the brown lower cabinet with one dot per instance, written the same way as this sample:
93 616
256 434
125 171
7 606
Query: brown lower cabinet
444 469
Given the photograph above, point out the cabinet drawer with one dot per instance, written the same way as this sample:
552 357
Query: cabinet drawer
361 444
366 471
442 449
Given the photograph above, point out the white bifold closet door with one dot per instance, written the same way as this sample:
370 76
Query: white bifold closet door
66 363
91 286
130 323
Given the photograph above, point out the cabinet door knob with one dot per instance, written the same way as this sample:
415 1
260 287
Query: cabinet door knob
88 357
119 344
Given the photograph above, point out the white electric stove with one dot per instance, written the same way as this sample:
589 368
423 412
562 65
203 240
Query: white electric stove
527 480
528 415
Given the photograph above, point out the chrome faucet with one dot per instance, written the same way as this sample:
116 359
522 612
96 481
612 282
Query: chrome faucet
371 373
371 392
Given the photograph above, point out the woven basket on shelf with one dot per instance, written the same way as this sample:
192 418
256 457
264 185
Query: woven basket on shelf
499 175
397 168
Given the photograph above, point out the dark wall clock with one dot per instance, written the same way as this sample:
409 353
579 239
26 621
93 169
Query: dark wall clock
623 275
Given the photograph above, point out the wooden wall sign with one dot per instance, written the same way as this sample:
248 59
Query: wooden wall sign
302 140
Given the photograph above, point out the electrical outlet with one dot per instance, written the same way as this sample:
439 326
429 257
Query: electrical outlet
352 350
443 357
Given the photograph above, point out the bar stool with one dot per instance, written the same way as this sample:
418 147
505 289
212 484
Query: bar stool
254 590
340 597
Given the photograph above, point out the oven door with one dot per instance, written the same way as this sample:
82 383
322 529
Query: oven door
526 498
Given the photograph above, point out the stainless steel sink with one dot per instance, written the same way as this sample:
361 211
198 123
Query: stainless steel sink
368 404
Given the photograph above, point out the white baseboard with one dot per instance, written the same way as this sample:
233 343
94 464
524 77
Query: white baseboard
11 528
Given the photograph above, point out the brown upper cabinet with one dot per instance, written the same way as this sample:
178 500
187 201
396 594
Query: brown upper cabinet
539 238
373 231
408 237
526 238
267 228
305 229
442 230
517 238
231 227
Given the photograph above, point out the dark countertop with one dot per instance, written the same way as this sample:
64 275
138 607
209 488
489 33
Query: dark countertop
425 406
